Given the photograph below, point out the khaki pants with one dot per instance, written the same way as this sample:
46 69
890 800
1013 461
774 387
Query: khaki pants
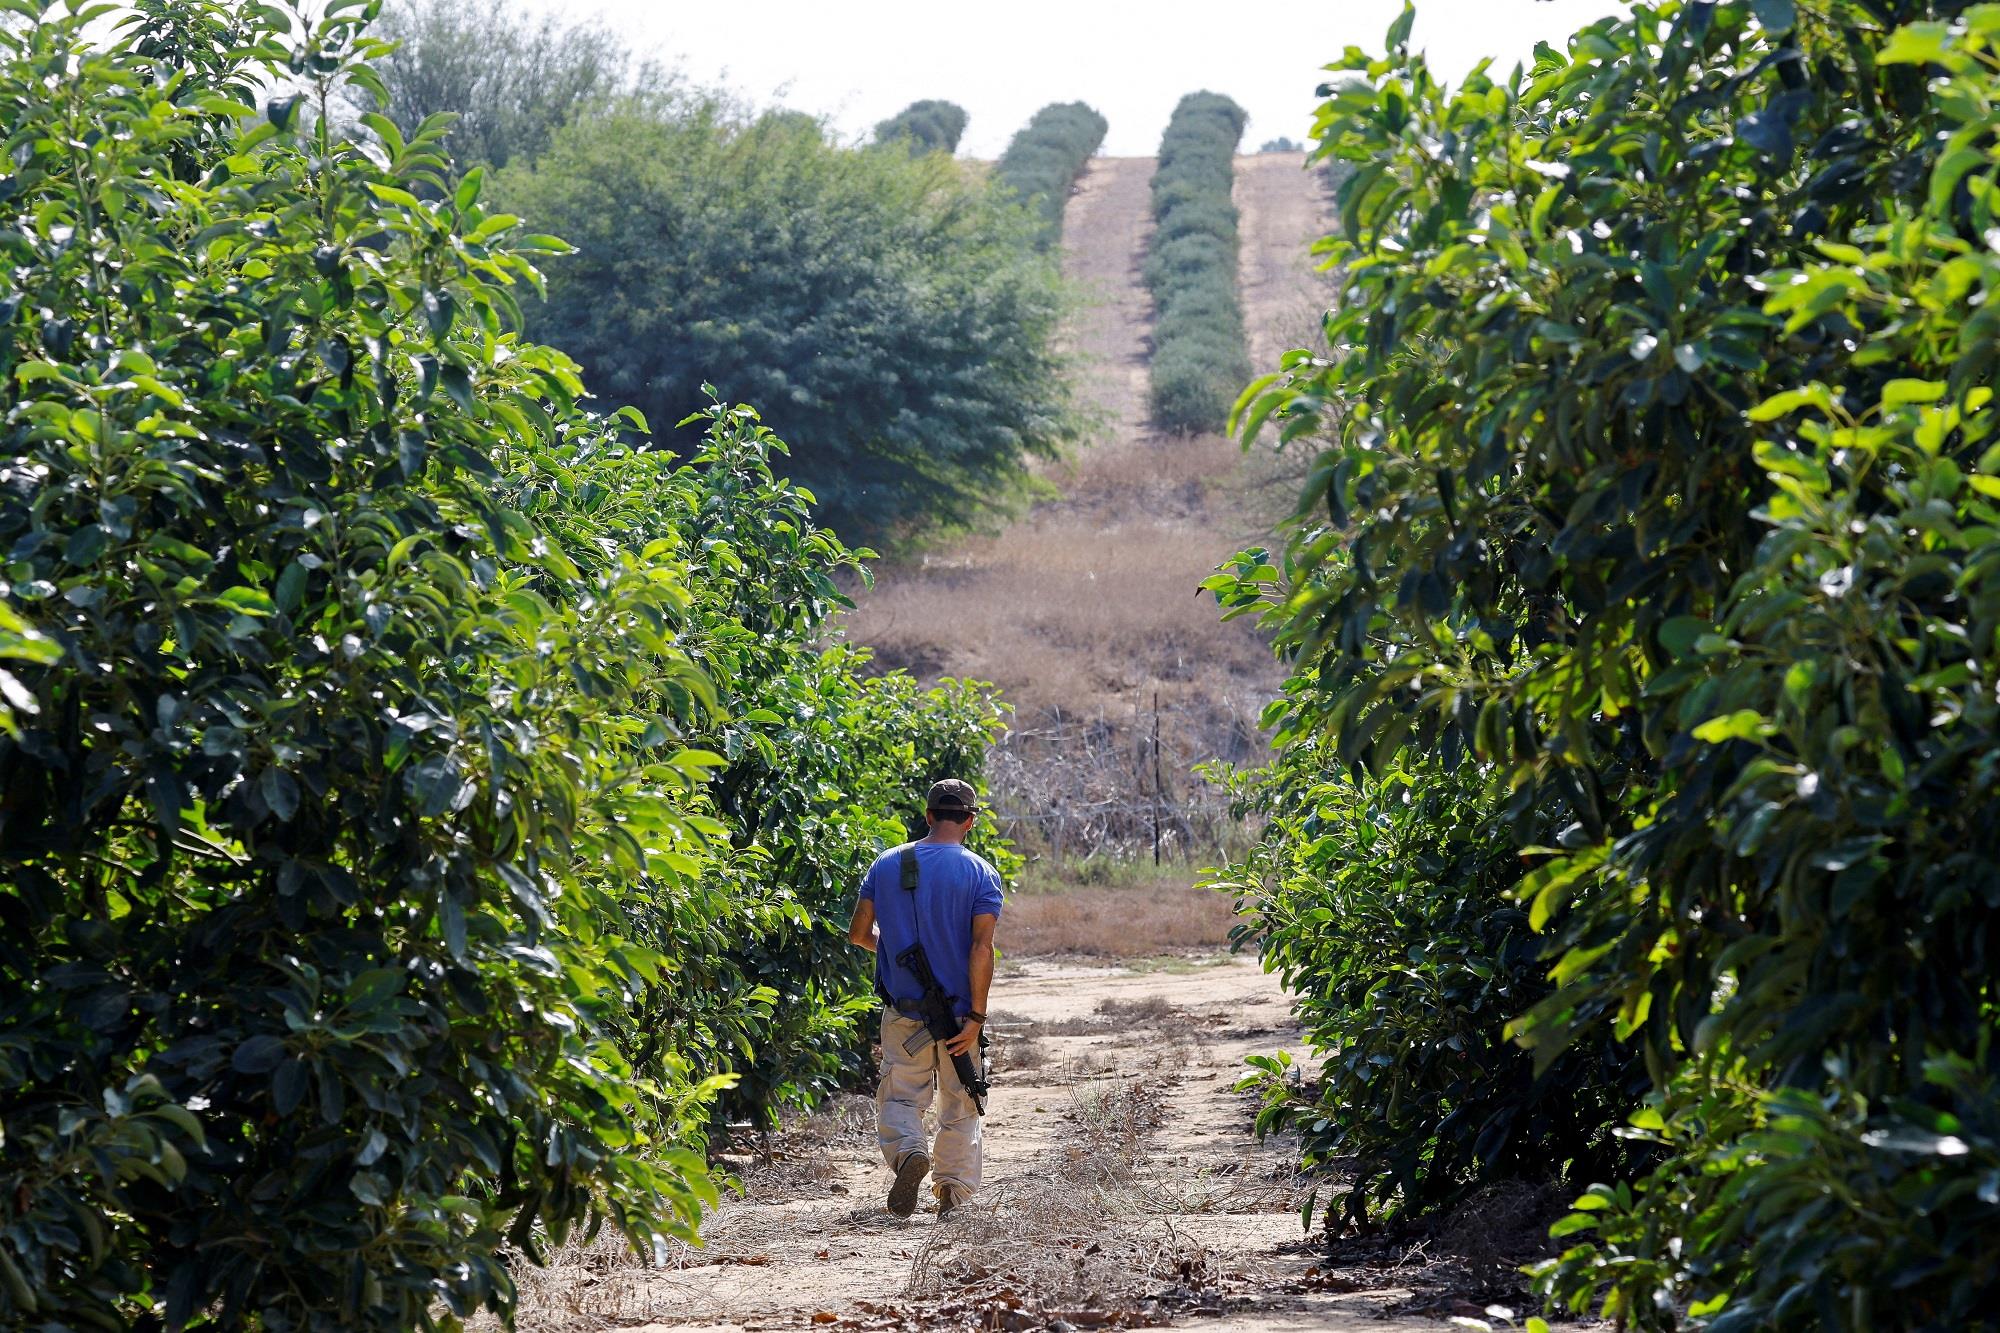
907 1085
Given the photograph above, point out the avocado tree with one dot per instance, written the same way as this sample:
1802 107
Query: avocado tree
929 126
321 772
1655 490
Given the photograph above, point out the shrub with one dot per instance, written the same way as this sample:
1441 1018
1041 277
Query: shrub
929 127
889 314
1199 356
1045 158
1387 905
1660 492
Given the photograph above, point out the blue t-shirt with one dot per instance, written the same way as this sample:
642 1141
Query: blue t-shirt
953 886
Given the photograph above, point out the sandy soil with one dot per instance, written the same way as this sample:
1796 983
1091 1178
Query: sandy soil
830 1255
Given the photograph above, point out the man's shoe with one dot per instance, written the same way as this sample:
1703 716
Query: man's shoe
951 1203
910 1173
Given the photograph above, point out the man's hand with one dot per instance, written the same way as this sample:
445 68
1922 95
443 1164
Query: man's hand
966 1042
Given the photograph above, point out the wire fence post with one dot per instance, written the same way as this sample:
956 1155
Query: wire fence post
1159 787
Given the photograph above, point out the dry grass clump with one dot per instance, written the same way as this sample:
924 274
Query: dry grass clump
1501 1227
1116 923
1019 1055
776 1167
1073 1235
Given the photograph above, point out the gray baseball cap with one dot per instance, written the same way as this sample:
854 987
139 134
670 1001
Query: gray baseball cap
952 797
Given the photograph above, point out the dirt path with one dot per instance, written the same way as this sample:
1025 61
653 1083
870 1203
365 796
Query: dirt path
1121 1181
1106 228
1281 209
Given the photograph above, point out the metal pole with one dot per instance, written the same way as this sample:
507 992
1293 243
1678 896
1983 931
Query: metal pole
1159 788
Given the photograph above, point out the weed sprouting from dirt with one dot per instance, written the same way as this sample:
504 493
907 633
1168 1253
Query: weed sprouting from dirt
1019 1055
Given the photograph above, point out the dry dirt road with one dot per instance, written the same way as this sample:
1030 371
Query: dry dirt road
1122 1182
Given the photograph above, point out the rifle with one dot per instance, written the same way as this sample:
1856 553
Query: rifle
934 1010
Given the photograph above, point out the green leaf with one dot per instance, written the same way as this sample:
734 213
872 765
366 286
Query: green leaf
1915 44
280 791
257 1055
1900 391
248 602
1745 724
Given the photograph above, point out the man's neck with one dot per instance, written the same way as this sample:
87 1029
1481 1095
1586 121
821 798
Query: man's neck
941 839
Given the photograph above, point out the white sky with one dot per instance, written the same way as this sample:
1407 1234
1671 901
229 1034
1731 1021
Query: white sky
861 62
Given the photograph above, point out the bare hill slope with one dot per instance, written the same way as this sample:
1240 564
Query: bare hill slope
1087 609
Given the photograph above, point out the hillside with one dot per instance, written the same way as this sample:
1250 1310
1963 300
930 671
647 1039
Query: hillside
1086 611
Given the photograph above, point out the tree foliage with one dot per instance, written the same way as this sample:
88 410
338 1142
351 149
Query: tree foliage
890 315
510 81
1046 156
1199 355
1662 493
826 762
1387 905
929 126
382 749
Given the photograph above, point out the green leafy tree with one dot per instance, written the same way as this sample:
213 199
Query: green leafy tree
419 803
1199 357
1044 159
511 82
823 760
1388 906
1660 491
890 315
323 773
929 126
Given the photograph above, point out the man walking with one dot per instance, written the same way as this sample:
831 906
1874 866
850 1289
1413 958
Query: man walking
951 910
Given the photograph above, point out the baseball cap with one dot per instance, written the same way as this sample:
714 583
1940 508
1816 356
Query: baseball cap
952 796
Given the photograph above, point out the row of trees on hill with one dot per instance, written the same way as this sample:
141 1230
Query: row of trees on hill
1046 156
1200 358
892 314
423 808
929 126
1633 813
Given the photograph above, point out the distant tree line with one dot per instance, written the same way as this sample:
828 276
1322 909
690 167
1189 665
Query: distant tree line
930 126
892 315
1046 156
1199 357
511 82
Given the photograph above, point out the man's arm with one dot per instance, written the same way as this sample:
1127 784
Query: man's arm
979 972
861 930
